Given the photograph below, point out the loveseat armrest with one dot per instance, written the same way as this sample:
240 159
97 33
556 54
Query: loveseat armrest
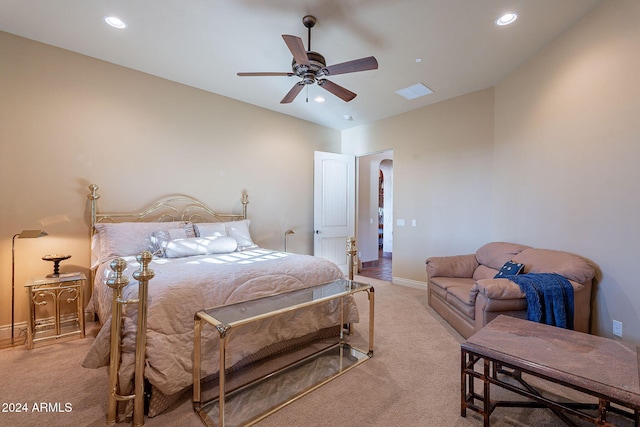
497 289
506 289
452 266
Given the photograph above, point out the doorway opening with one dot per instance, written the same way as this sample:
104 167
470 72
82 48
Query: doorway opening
375 215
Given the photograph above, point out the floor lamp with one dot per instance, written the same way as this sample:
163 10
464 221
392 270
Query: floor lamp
25 234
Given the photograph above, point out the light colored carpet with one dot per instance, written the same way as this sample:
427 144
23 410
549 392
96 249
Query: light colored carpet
413 379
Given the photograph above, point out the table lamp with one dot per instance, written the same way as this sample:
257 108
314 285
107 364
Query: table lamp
286 233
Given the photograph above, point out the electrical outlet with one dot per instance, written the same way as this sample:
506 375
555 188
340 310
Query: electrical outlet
617 328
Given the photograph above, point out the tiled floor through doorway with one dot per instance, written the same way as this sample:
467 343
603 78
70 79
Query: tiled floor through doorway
382 271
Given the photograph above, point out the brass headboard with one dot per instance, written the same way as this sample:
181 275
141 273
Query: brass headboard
173 208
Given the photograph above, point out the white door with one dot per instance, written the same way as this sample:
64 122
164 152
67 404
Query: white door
334 203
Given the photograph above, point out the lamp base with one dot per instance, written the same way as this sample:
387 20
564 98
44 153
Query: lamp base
56 259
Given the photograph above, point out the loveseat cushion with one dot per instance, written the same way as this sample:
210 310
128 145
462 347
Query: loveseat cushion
484 272
460 298
571 266
495 254
441 285
455 291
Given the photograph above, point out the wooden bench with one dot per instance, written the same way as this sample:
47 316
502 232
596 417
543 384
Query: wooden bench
510 348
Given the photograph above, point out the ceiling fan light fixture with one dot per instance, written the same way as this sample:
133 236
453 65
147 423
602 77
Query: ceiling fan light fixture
506 19
115 22
319 99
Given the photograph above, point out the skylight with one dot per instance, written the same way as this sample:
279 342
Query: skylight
414 91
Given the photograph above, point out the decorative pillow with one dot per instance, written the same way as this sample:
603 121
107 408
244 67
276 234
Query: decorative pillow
239 230
129 238
160 238
210 229
179 248
509 268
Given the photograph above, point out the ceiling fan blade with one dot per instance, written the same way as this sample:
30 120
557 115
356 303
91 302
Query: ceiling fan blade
283 74
295 90
339 91
296 46
362 64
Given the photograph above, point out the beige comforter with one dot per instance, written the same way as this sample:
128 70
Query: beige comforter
183 286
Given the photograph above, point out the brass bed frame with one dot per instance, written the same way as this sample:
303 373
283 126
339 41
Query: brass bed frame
173 208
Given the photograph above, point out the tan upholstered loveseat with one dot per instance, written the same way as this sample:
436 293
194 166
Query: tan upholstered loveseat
462 288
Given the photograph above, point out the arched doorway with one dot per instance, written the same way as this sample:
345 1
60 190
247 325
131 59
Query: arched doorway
375 215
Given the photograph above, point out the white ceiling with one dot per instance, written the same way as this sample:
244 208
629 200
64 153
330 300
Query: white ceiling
204 43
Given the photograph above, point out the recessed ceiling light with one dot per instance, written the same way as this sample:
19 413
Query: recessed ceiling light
319 99
347 117
506 19
418 60
115 22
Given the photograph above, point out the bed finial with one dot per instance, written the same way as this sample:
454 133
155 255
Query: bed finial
94 192
93 196
245 202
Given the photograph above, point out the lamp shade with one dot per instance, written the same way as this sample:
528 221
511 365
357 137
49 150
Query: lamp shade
31 234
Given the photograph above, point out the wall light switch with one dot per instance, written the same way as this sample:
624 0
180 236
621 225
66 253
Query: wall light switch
400 223
413 223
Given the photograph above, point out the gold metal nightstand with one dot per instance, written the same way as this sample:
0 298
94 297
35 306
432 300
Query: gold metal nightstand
66 288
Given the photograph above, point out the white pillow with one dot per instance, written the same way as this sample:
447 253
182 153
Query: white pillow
95 250
239 230
210 229
128 238
200 246
160 238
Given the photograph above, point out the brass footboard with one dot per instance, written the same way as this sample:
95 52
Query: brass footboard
143 275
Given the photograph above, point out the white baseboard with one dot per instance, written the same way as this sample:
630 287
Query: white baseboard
409 283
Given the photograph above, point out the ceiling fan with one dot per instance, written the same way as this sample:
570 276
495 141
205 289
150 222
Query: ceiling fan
311 67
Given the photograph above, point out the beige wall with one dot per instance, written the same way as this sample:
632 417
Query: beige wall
566 155
442 178
560 172
67 121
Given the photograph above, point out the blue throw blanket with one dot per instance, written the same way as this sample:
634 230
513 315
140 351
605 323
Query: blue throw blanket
549 298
